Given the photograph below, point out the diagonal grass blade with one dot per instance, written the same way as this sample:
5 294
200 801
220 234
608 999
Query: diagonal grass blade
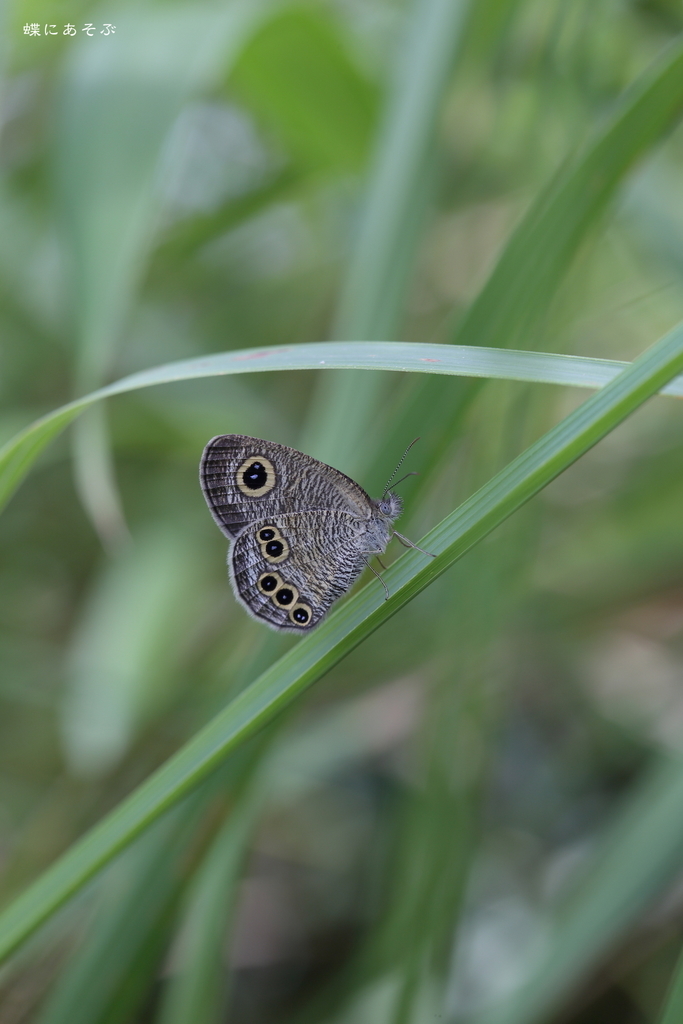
260 702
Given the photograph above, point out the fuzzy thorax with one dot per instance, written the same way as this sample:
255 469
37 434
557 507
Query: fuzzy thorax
384 512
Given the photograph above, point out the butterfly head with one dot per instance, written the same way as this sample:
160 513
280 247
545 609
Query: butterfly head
390 506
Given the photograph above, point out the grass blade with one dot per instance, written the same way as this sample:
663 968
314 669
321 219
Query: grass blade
17 456
115 110
539 252
673 1010
198 990
640 854
106 975
394 208
342 632
371 300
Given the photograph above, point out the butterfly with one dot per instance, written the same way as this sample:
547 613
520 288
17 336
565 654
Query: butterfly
301 531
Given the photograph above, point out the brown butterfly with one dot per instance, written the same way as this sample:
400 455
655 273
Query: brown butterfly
301 530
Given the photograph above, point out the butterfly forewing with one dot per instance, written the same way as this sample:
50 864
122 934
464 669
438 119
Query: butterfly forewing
286 572
245 479
301 530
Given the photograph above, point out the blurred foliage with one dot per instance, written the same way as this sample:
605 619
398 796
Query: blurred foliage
401 845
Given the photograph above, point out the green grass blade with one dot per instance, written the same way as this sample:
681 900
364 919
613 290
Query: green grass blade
539 252
114 113
197 991
673 1009
95 479
345 628
123 656
122 946
116 107
641 853
18 455
393 211
371 302
182 240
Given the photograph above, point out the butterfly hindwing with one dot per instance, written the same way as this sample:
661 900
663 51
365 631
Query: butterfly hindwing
245 479
289 569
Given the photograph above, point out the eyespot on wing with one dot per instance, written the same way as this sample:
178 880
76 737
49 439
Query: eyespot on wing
256 476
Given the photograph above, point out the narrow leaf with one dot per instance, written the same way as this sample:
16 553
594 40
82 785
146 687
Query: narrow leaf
390 225
673 1010
18 455
639 855
345 628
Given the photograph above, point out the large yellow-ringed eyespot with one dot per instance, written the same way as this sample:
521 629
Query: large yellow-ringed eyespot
286 595
256 476
269 582
300 614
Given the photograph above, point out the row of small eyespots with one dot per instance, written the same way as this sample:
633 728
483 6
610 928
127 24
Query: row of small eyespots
284 594
274 547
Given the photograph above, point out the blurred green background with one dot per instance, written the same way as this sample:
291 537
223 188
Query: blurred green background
400 846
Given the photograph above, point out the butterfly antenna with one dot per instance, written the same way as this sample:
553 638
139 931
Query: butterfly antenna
404 478
401 460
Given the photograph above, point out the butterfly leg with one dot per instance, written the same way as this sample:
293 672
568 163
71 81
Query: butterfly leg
386 589
409 544
381 562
